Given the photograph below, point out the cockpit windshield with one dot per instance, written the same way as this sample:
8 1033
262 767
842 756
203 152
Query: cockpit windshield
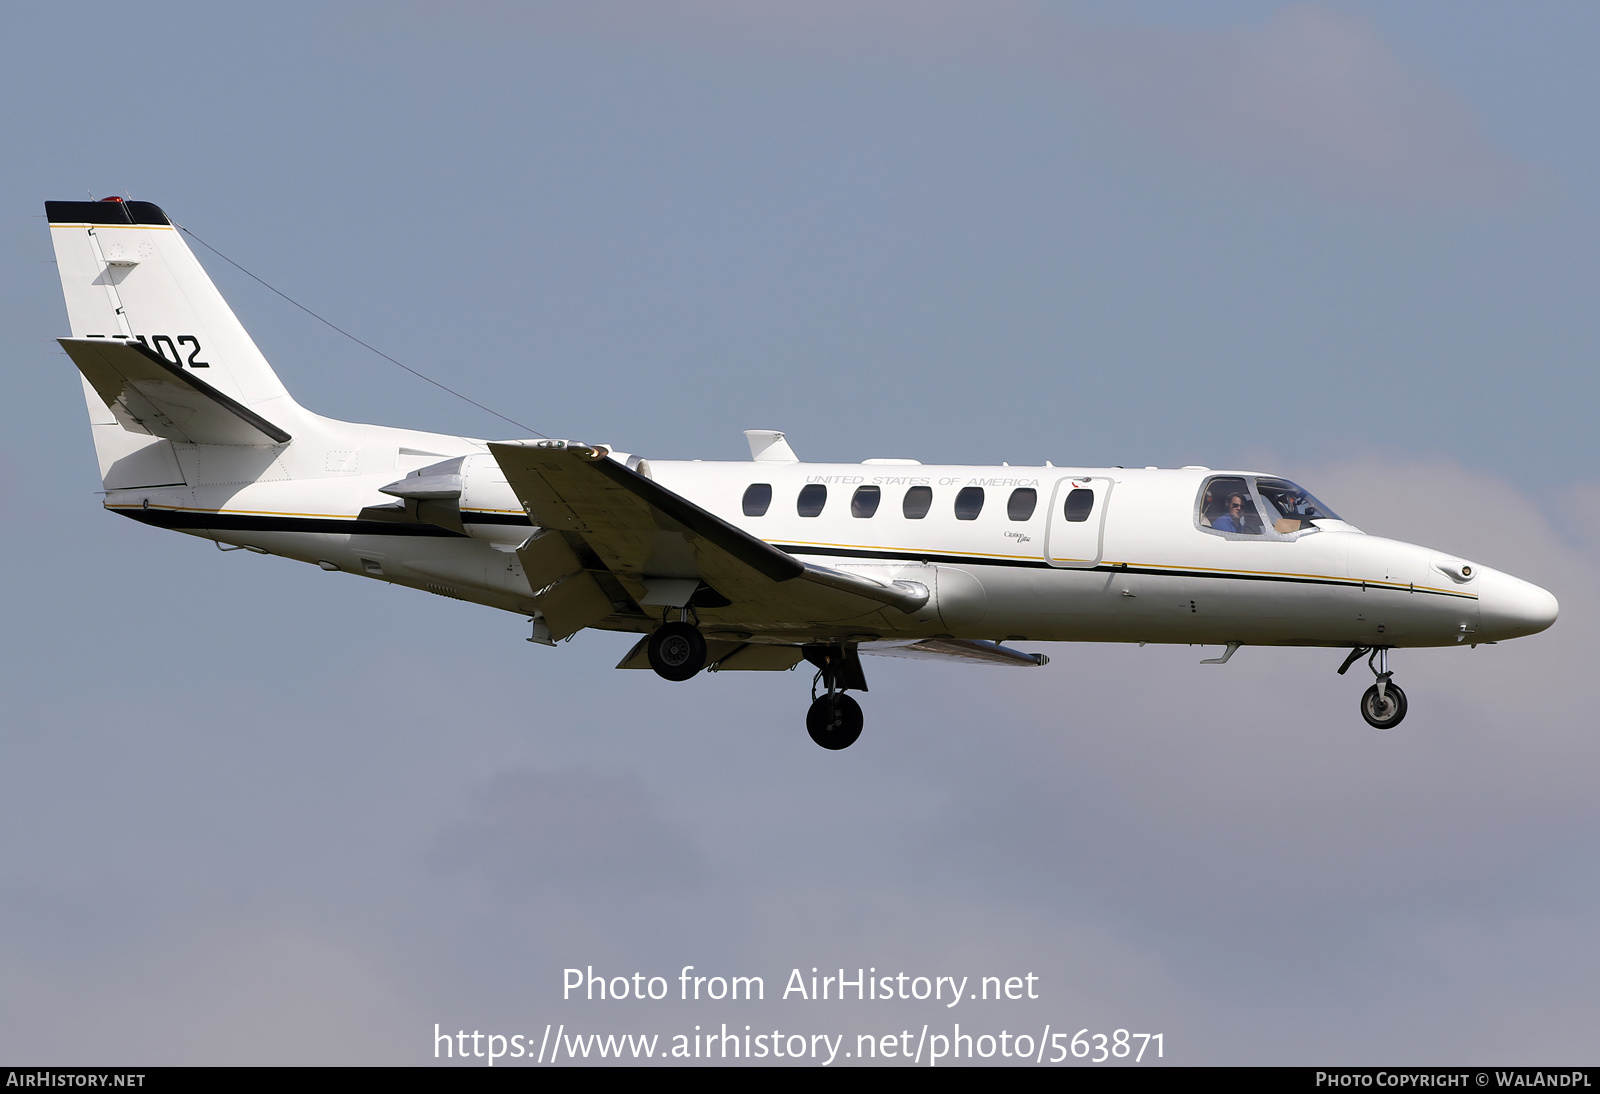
1291 507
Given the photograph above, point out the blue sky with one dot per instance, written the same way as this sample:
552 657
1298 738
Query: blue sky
262 813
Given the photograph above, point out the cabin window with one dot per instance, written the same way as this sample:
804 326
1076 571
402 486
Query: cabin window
865 502
757 497
969 503
813 496
919 499
1021 504
1080 503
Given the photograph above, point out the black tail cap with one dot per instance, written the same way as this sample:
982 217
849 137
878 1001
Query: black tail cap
110 211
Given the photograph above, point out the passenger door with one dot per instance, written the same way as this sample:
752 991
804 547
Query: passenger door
1075 532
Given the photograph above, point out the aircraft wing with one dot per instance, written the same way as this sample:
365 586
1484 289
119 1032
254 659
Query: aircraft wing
149 394
660 546
956 649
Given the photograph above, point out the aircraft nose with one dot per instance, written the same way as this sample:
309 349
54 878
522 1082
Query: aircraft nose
1509 607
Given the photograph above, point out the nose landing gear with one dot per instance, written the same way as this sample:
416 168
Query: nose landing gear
1383 705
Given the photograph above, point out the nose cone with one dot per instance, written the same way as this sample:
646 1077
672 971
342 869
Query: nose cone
1509 607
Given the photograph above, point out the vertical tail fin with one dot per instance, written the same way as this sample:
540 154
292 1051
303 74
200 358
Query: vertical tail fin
128 274
129 277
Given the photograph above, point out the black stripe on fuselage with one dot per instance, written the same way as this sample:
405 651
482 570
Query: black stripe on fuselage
269 522
473 516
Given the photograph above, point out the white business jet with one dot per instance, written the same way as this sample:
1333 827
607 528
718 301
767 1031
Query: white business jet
729 566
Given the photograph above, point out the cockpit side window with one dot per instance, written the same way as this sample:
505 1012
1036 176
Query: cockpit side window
1228 505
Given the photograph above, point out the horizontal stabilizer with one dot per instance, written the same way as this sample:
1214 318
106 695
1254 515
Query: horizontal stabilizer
151 395
956 649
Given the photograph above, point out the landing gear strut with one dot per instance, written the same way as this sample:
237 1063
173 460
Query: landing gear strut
1383 705
676 650
834 720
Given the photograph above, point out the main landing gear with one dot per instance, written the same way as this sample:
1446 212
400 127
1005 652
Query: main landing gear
1383 705
677 650
834 720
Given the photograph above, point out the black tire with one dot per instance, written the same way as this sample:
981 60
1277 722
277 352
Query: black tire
677 651
834 721
1386 714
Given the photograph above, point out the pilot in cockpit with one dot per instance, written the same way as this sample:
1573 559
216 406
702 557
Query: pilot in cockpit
1235 512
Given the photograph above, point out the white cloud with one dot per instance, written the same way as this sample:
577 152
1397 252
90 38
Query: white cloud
1311 95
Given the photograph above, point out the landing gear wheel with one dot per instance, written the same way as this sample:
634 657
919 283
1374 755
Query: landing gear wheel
1384 713
677 651
834 721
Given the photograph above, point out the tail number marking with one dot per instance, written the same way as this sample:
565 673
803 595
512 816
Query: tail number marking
163 344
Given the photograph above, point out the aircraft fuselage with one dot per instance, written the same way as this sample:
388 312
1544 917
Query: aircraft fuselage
1141 568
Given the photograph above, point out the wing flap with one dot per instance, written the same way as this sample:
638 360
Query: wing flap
717 651
149 394
756 657
956 649
725 656
547 558
567 595
573 603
